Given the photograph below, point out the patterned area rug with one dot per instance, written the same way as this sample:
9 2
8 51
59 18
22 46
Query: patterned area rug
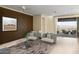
36 47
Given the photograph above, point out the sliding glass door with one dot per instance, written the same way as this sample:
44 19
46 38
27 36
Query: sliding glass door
67 27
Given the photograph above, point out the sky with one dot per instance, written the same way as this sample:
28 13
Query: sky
9 20
67 23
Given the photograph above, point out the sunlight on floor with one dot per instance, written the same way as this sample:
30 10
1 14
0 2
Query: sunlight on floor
65 45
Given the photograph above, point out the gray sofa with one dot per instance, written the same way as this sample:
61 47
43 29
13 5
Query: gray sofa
49 37
46 37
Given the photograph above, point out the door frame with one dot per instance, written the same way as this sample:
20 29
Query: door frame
67 16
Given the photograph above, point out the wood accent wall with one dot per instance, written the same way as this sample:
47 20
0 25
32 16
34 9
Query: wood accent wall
24 24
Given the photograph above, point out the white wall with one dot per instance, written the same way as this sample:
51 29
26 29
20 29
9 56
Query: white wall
44 24
50 24
36 23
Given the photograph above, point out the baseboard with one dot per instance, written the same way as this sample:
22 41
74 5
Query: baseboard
9 44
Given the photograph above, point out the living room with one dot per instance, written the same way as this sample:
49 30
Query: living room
34 31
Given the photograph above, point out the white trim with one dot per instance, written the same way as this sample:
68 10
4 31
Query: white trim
46 18
41 23
9 44
15 10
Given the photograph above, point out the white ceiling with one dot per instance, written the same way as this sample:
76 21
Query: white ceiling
47 9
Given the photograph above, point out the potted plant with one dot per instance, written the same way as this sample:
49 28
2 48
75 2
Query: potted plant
26 43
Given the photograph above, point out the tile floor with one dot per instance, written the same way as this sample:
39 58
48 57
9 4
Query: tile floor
64 45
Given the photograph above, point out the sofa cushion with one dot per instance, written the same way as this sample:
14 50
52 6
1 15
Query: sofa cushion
32 38
49 36
44 35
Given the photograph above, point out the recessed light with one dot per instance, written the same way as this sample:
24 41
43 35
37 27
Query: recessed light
23 7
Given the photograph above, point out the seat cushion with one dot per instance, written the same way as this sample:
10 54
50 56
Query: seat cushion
32 38
47 40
